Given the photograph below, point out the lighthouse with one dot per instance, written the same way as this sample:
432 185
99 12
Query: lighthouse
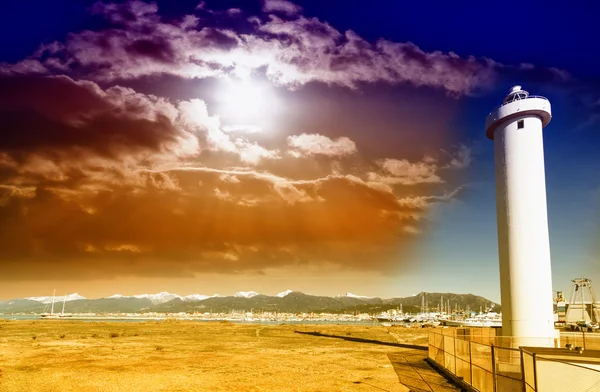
523 243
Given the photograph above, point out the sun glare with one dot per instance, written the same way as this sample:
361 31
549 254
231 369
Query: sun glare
245 101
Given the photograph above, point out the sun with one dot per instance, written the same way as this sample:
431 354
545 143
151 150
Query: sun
245 101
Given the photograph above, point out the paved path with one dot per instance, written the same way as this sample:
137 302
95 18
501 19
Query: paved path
416 374
408 361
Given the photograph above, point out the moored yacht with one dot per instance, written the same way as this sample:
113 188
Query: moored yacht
490 319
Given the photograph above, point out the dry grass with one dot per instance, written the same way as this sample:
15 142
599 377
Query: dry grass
58 355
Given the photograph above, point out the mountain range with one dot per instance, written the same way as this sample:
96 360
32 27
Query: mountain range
285 302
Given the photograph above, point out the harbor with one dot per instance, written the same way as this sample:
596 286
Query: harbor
581 313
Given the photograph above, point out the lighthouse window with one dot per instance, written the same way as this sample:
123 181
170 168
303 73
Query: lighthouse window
520 124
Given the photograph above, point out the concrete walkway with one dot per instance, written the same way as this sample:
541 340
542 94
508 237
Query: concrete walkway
408 361
416 374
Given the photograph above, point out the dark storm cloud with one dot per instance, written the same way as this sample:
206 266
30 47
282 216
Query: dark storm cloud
57 97
157 49
48 114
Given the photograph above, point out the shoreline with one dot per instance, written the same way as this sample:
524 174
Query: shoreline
167 318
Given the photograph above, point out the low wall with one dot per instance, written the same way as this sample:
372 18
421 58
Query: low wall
473 358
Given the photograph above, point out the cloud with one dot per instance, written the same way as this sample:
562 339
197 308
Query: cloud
59 130
130 13
130 227
99 179
290 52
109 182
460 159
403 172
283 6
253 153
314 50
315 144
242 129
57 115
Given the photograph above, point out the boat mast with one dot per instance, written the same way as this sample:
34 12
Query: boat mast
52 309
64 300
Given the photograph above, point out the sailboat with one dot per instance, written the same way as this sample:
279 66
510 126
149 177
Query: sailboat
53 315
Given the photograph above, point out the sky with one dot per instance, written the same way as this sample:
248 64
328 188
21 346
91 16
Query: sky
325 147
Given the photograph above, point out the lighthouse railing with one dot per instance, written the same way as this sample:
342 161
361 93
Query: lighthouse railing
517 100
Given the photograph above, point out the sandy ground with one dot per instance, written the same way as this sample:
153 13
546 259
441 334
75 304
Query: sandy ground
58 355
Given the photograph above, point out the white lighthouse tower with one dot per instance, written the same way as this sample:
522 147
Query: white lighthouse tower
523 243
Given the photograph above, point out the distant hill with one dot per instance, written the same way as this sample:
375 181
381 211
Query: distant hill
287 302
101 305
294 302
463 301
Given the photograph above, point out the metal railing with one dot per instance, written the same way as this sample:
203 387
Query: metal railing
550 374
518 99
473 359
484 367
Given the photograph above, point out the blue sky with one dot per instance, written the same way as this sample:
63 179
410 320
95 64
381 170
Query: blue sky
467 234
360 121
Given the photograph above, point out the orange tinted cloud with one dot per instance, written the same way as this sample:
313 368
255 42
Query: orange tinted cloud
314 144
101 180
255 222
122 187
